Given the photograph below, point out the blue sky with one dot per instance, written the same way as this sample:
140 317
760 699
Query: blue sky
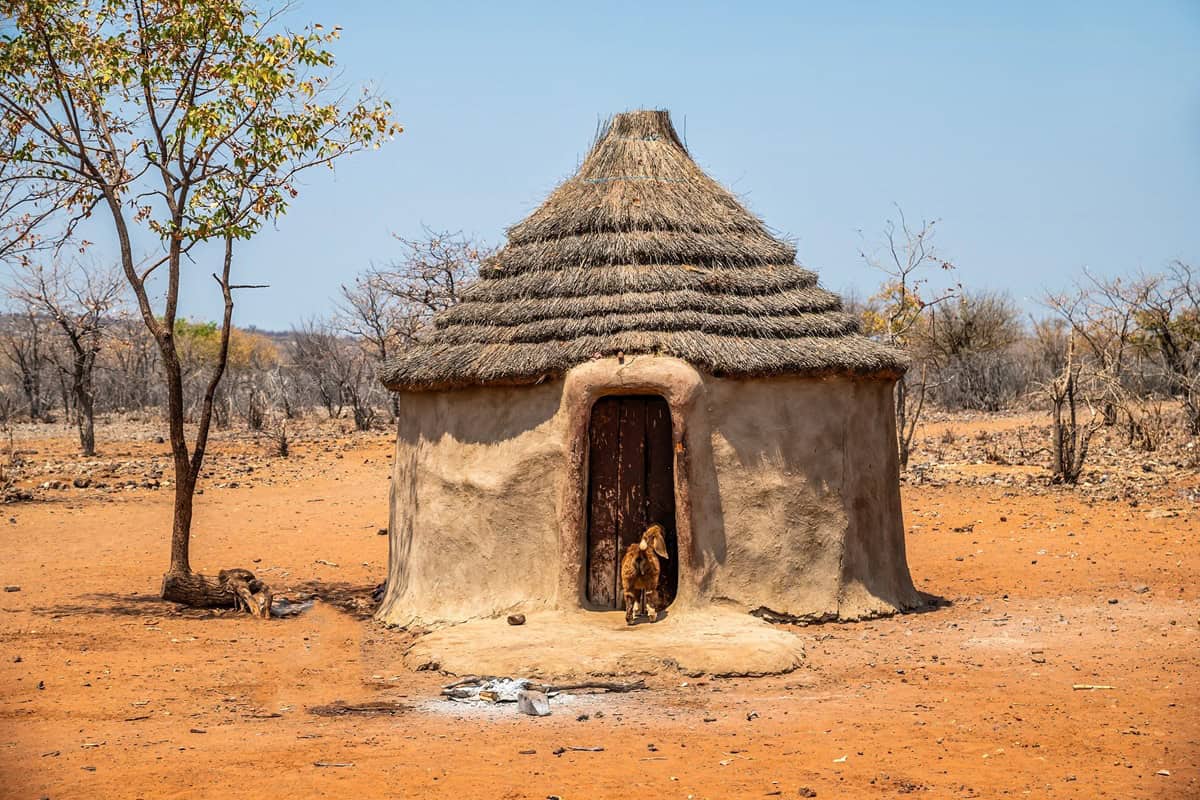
1046 136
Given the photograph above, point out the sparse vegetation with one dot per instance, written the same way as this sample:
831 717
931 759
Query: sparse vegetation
184 124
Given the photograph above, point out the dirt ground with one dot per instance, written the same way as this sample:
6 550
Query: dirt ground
107 692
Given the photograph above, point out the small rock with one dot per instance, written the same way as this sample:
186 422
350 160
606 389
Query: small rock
804 791
1166 773
12 588
41 685
1112 601
82 483
533 703
516 619
381 532
1141 588
751 715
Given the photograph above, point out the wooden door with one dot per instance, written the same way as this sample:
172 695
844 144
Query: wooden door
631 486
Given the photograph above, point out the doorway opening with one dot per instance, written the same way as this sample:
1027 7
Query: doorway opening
631 485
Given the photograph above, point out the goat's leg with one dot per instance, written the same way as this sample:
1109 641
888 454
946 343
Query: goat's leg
652 597
630 606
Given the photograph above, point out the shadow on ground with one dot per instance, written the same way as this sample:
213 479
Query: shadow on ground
115 604
354 599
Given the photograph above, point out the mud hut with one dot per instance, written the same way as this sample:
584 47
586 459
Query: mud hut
644 350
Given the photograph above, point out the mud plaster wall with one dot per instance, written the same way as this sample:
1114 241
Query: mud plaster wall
792 496
806 520
473 524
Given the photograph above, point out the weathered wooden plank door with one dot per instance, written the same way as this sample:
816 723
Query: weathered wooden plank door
631 485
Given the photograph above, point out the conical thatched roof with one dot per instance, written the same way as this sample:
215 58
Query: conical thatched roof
640 252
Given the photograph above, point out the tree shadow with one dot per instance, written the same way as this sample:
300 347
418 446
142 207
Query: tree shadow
356 599
930 602
116 604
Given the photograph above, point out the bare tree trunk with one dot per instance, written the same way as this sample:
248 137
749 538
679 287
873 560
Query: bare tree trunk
32 396
902 421
908 414
85 411
1071 439
236 588
185 483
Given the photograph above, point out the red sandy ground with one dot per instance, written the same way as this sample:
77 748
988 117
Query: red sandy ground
974 699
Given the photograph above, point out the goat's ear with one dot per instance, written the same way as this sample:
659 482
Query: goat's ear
655 537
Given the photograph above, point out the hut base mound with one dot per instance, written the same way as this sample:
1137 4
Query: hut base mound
558 644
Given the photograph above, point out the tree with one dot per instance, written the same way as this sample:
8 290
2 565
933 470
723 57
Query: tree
370 313
80 302
248 357
1102 315
22 342
385 308
190 121
340 370
430 276
1144 333
130 366
900 312
971 339
1168 318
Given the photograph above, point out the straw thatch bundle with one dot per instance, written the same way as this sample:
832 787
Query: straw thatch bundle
640 252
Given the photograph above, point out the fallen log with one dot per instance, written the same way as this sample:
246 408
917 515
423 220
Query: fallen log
232 588
607 686
374 708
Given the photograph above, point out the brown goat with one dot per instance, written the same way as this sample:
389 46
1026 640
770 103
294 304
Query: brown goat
640 571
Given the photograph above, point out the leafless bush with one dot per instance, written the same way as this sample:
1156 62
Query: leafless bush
1076 386
24 347
430 275
1169 327
80 301
983 381
340 369
900 313
973 341
1143 332
8 407
127 370
385 308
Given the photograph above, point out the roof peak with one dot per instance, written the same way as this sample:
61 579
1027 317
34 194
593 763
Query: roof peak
639 252
647 124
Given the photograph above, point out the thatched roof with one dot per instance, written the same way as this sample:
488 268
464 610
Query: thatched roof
640 252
